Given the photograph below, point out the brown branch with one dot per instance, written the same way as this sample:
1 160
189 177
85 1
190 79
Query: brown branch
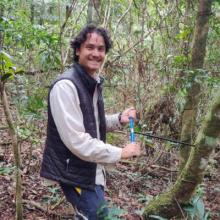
37 205
5 143
3 127
131 47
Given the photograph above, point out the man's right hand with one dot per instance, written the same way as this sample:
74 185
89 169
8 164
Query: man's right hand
130 150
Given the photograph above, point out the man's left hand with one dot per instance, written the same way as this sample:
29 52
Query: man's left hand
129 112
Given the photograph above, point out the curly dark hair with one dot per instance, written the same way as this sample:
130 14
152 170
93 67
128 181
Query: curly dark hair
82 36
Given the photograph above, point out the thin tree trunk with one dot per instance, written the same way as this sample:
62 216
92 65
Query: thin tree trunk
32 9
198 55
69 10
169 204
93 12
1 32
19 212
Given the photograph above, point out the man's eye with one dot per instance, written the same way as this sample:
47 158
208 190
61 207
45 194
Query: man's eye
89 47
101 49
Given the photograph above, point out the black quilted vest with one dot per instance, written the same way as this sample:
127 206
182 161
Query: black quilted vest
59 163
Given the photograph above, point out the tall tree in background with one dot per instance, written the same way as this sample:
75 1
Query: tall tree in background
169 204
6 71
198 55
93 12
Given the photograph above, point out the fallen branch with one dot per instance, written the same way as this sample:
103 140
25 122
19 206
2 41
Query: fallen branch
5 143
46 209
37 205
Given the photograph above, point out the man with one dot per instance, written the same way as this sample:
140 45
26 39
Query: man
75 147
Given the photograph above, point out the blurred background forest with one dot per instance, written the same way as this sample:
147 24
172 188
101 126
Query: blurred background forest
165 61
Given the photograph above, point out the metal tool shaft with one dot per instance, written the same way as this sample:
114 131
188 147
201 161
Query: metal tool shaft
163 138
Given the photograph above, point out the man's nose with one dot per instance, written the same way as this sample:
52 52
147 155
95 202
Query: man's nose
95 52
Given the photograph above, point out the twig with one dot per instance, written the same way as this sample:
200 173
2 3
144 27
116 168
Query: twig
58 203
180 208
3 127
127 161
131 47
162 167
37 205
120 19
5 143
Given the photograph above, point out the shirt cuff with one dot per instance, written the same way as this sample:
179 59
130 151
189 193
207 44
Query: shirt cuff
112 122
115 154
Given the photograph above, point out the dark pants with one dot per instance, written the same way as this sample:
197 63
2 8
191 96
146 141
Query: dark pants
90 204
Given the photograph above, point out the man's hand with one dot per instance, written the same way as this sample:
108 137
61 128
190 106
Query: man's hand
129 112
130 150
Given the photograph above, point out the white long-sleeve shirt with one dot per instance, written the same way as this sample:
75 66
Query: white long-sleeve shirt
67 115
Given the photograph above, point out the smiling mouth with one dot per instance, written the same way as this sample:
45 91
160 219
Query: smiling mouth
95 61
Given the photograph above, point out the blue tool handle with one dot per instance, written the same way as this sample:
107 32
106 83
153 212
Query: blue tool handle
132 135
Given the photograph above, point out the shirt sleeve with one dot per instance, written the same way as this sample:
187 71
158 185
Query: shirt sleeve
67 115
112 122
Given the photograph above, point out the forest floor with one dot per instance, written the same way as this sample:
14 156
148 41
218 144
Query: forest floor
130 184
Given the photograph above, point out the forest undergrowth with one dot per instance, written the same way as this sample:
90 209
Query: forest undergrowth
131 184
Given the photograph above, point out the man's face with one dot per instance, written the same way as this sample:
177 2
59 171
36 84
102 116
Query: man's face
92 53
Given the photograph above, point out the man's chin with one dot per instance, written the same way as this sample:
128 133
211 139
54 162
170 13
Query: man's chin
95 67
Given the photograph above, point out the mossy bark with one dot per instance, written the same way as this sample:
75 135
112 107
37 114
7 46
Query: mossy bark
198 55
169 204
16 151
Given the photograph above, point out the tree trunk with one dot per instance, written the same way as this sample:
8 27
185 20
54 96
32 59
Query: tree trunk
69 10
32 9
19 212
169 204
1 32
93 12
198 55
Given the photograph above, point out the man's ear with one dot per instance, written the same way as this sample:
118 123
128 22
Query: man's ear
77 51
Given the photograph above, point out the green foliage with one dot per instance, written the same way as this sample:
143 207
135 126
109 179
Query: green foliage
35 104
53 197
115 213
196 207
7 170
7 67
184 33
29 132
179 61
32 106
22 37
143 198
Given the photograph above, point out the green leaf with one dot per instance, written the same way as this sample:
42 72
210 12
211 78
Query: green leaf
6 76
7 58
200 208
157 217
6 170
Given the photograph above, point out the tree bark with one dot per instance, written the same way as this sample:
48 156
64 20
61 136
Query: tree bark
194 160
169 204
198 55
32 9
19 212
93 12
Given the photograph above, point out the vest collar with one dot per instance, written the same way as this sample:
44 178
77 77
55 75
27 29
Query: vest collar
87 80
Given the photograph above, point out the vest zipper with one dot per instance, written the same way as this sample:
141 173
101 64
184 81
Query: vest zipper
67 164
